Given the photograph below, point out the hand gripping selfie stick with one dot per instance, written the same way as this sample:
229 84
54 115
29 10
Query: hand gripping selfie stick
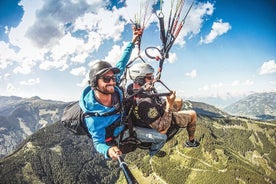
128 175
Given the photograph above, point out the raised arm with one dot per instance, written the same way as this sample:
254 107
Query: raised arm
121 64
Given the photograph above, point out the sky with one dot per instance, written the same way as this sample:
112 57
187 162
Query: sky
225 49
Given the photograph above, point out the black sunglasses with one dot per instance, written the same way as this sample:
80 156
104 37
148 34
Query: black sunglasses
107 79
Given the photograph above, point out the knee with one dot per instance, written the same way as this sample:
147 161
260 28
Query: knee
193 115
162 138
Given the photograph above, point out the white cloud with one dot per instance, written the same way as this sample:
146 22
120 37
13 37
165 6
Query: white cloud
244 83
53 18
17 35
6 76
67 46
80 71
272 82
225 90
192 74
172 57
84 82
6 55
248 83
235 83
44 28
80 57
219 28
232 85
49 28
194 20
115 54
24 67
208 87
204 88
218 85
48 65
6 29
268 67
10 88
30 82
57 35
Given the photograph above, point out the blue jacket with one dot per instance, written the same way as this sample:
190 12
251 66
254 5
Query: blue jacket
97 124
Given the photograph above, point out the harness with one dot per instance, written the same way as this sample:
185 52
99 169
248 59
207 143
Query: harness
118 109
132 142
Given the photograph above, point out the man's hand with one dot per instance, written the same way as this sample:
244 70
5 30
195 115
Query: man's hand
170 100
148 86
164 131
137 33
113 152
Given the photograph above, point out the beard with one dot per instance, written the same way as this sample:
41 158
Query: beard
107 89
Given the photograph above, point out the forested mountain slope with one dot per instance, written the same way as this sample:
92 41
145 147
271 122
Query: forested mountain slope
232 150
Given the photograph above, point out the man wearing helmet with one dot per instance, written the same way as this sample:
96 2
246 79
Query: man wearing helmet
150 112
104 98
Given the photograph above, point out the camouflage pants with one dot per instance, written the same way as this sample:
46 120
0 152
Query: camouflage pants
182 118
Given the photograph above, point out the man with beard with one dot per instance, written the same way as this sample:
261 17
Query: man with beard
103 98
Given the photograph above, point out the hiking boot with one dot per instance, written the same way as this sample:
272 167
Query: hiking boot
192 144
160 153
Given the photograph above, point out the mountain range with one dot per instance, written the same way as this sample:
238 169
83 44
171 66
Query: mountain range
21 117
257 106
233 150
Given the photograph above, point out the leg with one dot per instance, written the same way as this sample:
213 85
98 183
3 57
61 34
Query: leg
150 135
191 125
187 119
178 104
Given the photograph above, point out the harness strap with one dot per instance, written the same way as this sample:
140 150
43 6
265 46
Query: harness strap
118 108
128 121
130 125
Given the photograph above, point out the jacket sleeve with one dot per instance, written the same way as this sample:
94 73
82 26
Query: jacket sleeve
98 137
121 64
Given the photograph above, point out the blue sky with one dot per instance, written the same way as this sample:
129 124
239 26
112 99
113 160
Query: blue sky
226 48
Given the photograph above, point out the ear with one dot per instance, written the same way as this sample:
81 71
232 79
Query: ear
94 82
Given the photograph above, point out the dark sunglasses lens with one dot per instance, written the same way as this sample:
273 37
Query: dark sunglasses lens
107 79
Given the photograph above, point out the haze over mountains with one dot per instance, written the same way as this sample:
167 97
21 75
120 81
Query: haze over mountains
233 149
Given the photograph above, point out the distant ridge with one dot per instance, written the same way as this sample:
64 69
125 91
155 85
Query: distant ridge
20 117
204 109
258 106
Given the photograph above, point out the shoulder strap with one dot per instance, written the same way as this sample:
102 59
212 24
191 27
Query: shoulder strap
129 123
118 108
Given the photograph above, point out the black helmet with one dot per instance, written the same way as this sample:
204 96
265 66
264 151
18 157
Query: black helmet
98 69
